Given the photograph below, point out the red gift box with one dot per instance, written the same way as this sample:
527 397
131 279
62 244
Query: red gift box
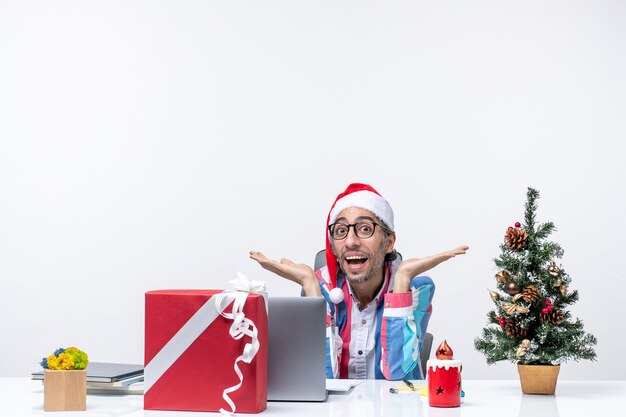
190 355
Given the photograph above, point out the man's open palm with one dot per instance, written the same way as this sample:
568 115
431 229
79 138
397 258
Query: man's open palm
298 273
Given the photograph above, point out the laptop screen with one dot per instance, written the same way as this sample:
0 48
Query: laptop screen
296 349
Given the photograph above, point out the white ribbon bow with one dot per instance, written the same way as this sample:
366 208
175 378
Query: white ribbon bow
242 283
241 326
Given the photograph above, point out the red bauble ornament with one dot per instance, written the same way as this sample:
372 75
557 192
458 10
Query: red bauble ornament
517 224
510 228
545 310
548 302
502 321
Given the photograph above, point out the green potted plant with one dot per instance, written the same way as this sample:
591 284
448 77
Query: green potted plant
530 324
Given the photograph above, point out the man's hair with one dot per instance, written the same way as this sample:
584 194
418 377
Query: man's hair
391 256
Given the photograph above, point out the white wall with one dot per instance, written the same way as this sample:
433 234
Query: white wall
149 145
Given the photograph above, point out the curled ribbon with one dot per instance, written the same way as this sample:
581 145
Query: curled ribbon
241 326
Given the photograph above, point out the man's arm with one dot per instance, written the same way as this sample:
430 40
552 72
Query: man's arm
414 267
406 314
299 273
404 322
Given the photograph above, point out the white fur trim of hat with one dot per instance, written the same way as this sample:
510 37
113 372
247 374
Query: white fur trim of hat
365 200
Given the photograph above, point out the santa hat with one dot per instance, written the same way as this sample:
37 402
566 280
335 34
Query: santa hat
357 195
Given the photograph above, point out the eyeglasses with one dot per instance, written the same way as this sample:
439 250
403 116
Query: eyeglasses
362 230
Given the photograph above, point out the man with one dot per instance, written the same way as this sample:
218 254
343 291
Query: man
378 306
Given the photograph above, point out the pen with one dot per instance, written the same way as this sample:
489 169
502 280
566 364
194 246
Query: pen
408 384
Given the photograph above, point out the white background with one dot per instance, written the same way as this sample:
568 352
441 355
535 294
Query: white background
151 144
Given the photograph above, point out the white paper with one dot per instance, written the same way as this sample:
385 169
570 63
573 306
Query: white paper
341 385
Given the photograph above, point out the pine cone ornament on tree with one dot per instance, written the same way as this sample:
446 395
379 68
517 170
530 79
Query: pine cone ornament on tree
515 238
557 317
552 315
512 329
530 294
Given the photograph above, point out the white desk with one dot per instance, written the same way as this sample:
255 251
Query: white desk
23 397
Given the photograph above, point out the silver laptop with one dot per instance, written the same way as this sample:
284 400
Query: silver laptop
296 349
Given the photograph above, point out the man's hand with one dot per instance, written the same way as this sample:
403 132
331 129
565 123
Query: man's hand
299 273
413 267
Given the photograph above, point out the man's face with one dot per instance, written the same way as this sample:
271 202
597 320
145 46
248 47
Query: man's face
361 259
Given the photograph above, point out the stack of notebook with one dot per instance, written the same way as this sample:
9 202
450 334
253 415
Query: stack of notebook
104 377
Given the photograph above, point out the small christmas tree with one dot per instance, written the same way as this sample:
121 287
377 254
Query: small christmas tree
532 325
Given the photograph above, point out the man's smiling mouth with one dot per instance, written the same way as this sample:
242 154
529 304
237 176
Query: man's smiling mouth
355 261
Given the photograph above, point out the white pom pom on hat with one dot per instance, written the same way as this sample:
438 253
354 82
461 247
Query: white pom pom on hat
336 295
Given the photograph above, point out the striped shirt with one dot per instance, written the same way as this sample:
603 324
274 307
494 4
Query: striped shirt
382 339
